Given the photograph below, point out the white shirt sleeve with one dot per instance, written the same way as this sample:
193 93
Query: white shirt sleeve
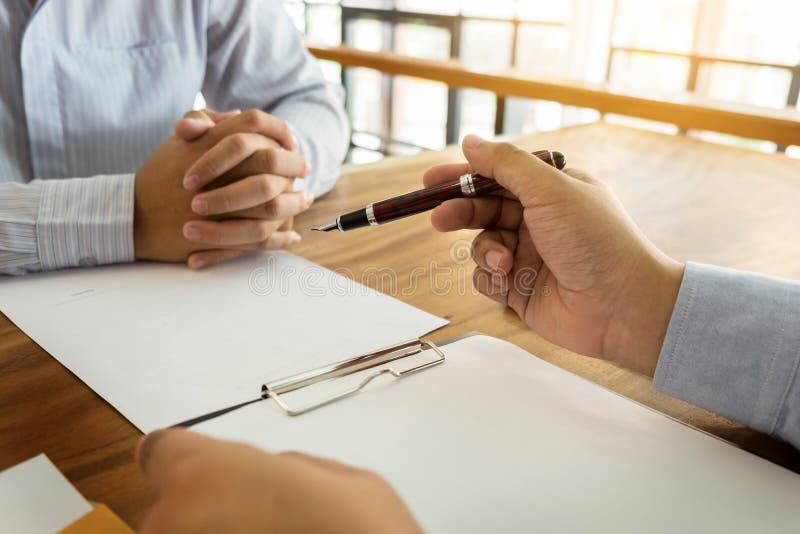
56 224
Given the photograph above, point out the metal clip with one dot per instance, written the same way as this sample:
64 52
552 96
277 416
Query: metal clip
276 388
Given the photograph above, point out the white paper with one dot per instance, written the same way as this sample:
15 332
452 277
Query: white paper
496 440
164 344
35 498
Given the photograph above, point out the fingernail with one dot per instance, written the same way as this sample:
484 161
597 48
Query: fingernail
472 141
308 198
191 233
137 452
197 264
145 447
493 258
295 143
200 206
307 171
191 182
294 238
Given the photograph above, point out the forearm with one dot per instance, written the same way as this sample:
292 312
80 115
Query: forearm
733 347
57 224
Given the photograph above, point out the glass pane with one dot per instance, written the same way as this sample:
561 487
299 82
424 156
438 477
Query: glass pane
419 112
545 10
768 30
374 4
324 25
477 113
449 7
366 34
655 24
495 8
420 40
365 101
475 52
651 74
540 116
543 50
761 86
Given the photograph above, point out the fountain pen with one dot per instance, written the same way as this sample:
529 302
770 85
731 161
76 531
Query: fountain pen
392 209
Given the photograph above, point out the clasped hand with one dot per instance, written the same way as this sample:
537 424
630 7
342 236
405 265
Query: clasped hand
221 187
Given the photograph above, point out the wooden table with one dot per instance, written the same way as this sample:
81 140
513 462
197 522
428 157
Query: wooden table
695 200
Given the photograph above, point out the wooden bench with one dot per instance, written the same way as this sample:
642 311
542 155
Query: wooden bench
781 126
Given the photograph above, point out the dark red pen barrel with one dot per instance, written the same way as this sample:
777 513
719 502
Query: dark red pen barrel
415 202
426 199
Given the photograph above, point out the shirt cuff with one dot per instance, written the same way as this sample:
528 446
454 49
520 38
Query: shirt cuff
733 347
86 221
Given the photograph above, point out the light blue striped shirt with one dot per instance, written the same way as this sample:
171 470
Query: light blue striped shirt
90 88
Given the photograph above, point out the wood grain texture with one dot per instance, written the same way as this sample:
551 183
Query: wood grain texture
695 200
687 111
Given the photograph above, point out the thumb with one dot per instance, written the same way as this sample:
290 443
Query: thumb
160 451
196 123
520 172
220 116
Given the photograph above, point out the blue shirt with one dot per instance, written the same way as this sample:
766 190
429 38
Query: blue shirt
90 88
733 347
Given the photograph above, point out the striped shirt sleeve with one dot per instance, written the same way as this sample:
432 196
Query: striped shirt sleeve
56 224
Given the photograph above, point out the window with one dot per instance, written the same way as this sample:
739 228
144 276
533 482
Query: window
729 50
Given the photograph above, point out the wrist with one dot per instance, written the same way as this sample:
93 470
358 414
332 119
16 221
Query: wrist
643 313
141 246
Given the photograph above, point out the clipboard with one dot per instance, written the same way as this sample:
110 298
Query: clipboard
521 445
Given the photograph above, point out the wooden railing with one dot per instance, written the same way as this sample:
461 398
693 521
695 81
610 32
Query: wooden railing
781 126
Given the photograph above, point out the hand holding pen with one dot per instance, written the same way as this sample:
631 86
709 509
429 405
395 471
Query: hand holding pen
422 200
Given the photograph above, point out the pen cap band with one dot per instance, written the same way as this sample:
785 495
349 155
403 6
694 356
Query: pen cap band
467 185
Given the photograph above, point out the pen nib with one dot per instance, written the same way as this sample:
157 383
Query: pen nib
327 227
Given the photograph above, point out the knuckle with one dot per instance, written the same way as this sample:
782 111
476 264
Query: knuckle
238 143
268 159
209 167
263 231
507 150
273 208
264 188
225 202
211 235
253 118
